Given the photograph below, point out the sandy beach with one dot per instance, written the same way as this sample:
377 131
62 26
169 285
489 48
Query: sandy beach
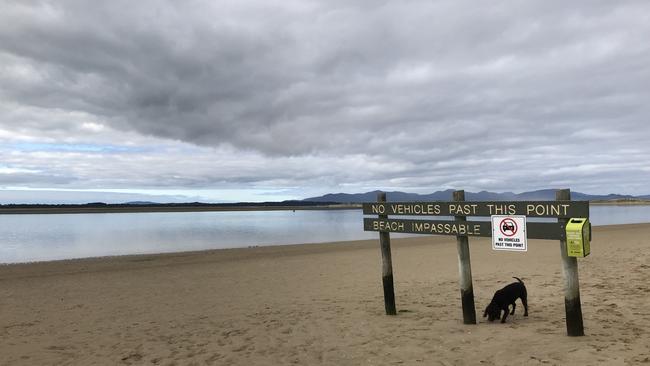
323 304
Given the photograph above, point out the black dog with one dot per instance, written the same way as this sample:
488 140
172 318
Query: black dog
503 298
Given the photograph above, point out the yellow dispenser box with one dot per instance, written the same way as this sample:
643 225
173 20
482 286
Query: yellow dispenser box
578 236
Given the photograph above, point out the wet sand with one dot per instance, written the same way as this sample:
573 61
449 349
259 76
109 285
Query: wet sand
323 304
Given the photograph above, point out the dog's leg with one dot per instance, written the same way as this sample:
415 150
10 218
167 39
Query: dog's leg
505 315
513 308
524 301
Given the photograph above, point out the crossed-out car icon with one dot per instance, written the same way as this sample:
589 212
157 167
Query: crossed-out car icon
507 226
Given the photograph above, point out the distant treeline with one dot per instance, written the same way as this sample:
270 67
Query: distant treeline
133 207
174 205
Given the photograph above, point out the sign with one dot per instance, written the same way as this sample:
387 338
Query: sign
509 233
558 209
534 230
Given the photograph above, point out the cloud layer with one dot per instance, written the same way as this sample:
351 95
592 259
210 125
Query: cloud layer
326 95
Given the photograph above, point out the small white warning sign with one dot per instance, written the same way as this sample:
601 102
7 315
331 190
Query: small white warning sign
509 233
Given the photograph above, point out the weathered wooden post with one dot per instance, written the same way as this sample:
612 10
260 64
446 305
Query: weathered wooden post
465 269
386 264
574 326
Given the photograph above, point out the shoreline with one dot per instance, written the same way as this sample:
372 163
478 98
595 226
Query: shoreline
620 203
330 244
179 208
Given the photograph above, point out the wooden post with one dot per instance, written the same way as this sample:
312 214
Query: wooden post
574 326
386 265
465 269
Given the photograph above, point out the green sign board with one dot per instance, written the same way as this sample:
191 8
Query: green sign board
535 230
557 209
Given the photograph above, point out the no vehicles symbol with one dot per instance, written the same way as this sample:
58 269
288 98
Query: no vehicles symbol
508 226
509 233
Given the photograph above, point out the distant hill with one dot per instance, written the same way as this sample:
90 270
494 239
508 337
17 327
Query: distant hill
446 195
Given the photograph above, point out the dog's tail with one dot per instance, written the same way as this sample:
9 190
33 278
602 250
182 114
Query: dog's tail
518 279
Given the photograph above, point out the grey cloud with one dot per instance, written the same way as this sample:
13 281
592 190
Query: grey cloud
80 197
33 179
424 94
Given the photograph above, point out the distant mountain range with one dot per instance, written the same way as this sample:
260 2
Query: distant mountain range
540 195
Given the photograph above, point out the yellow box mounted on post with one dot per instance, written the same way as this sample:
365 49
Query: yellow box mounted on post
578 236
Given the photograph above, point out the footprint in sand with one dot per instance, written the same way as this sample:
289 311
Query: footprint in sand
547 330
132 358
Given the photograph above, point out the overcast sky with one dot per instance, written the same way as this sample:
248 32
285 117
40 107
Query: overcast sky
263 100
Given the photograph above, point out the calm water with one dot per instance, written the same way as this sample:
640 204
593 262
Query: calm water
26 238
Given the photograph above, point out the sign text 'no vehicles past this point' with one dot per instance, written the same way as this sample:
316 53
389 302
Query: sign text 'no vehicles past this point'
559 209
